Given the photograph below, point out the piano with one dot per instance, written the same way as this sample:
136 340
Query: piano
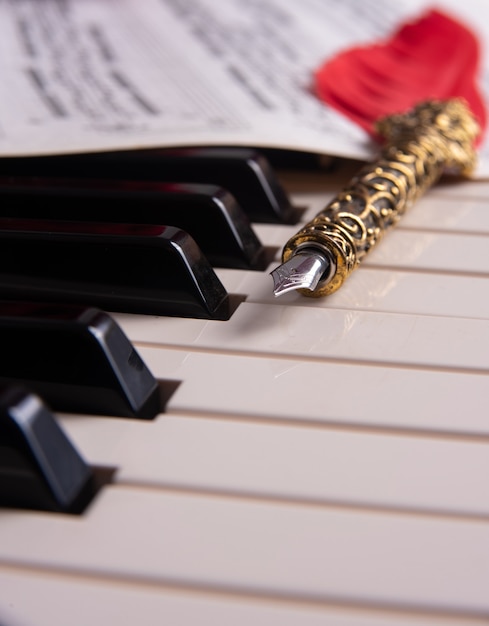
317 462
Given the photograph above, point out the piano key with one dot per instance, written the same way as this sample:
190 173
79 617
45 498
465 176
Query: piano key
298 391
405 249
298 160
452 207
212 455
471 189
319 188
126 267
76 359
443 252
379 289
39 466
450 214
208 213
307 553
330 334
124 604
339 172
243 172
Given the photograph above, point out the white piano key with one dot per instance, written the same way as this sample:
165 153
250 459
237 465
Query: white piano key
338 394
292 463
278 550
447 213
320 333
275 235
57 600
444 252
444 208
410 249
378 290
462 189
316 189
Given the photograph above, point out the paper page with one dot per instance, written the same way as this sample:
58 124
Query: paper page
83 75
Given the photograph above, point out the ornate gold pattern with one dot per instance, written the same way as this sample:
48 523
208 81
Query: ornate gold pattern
435 137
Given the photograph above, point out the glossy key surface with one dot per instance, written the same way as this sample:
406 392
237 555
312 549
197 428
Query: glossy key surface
39 466
208 213
77 359
124 267
243 172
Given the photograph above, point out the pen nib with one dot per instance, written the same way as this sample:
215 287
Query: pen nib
302 271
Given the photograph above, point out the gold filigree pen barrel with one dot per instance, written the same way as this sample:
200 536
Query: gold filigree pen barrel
434 138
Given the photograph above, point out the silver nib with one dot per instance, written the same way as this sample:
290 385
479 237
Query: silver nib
304 270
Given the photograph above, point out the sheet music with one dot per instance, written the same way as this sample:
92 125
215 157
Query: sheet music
105 74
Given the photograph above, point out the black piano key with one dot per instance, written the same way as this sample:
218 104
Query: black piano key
148 269
208 213
77 359
244 172
298 160
39 467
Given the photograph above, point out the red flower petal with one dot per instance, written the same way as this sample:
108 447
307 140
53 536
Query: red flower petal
435 57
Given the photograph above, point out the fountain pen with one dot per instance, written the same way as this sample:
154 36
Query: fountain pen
433 138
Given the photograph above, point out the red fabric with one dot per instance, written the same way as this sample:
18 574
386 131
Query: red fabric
435 57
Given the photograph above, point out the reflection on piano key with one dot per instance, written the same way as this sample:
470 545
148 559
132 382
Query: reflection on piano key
76 359
416 250
209 214
443 252
122 267
330 334
465 215
381 289
39 467
243 172
301 391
